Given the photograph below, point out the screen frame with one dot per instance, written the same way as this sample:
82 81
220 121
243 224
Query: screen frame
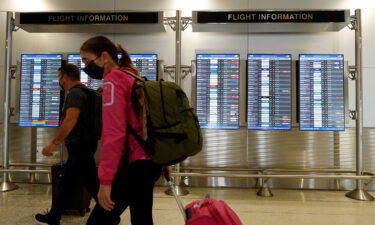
299 92
239 74
61 92
157 61
290 93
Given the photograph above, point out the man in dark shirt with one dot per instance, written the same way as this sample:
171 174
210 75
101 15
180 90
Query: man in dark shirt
80 166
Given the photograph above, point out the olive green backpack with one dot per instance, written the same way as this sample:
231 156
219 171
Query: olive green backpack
173 131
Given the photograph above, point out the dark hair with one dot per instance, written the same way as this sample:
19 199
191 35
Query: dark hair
97 45
71 71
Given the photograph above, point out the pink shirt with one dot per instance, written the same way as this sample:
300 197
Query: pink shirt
117 110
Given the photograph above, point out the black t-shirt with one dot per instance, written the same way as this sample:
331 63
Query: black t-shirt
77 98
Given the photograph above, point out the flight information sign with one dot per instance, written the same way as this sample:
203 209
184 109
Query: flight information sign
147 65
75 59
218 90
321 92
269 92
40 91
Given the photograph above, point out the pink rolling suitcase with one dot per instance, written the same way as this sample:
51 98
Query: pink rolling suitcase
208 211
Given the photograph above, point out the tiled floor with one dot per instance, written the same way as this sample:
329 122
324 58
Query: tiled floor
287 207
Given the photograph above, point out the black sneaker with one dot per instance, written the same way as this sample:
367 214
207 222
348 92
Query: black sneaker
118 221
46 219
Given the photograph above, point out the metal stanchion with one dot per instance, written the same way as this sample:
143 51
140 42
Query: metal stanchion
264 190
179 183
6 185
336 156
178 28
33 153
359 193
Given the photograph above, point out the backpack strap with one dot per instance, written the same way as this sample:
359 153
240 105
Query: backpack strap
139 78
129 128
149 150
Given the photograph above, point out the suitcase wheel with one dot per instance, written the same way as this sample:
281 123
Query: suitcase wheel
82 212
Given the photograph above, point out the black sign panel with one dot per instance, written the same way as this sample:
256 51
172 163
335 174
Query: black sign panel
89 18
271 16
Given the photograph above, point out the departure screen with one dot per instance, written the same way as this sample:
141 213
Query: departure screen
269 92
147 65
321 92
75 59
40 91
218 91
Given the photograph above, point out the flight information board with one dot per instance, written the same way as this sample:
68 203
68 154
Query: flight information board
321 92
75 59
147 65
218 90
269 92
40 91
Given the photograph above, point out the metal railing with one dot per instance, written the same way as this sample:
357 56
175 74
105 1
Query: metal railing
368 176
262 173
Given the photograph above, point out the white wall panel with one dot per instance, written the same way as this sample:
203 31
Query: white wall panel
368 36
299 4
55 5
294 43
356 4
368 33
368 97
86 5
181 4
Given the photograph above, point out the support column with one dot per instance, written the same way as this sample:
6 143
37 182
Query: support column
6 185
179 184
33 151
178 27
359 193
336 156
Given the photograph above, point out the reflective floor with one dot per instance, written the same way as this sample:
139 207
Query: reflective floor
287 207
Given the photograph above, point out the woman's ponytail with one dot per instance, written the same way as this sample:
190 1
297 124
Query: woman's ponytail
124 59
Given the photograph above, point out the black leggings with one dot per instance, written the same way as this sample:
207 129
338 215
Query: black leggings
133 186
80 168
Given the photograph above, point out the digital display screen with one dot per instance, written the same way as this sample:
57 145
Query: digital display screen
147 65
218 78
40 91
269 92
76 60
321 92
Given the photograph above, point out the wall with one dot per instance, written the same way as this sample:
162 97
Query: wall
163 44
242 148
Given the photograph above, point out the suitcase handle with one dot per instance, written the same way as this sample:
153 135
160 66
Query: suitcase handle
176 197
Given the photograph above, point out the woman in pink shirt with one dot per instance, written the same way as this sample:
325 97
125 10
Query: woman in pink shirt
126 173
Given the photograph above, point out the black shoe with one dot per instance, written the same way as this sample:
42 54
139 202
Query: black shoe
118 221
46 219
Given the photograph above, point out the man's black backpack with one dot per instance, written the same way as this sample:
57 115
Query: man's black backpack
92 114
